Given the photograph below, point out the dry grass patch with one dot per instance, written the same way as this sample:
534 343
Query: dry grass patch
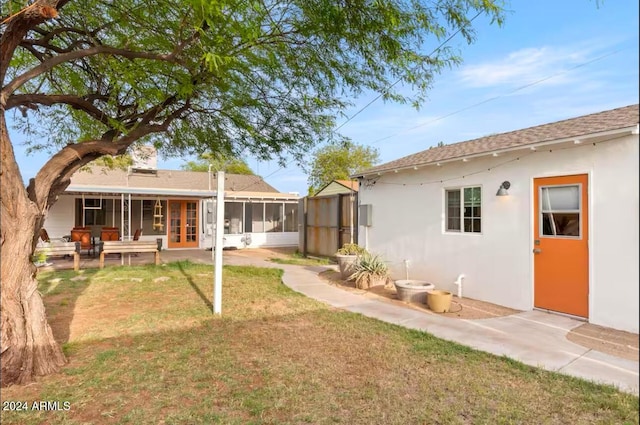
617 343
276 357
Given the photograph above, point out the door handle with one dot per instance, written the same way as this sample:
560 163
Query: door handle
537 250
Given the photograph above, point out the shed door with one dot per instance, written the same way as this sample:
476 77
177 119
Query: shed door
561 252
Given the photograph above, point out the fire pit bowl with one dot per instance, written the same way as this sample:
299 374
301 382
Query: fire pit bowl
413 291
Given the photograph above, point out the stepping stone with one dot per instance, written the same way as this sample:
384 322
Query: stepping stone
161 279
79 278
136 279
57 280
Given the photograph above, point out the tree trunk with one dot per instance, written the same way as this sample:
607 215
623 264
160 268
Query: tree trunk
28 347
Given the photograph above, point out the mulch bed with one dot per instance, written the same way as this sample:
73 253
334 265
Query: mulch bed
465 308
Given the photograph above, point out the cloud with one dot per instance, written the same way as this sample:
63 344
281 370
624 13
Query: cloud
525 66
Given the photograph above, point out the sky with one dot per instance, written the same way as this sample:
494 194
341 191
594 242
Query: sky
551 60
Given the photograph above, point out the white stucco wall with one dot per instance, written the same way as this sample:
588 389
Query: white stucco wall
61 217
275 239
408 223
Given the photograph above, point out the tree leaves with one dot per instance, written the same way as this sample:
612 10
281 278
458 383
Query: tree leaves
339 161
265 76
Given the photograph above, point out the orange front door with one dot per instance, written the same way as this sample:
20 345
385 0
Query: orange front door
560 247
183 224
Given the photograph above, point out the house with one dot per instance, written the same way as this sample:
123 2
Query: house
540 218
338 186
176 206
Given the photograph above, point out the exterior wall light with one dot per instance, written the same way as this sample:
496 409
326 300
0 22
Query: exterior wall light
502 191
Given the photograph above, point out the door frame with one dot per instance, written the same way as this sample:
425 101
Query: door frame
590 236
182 202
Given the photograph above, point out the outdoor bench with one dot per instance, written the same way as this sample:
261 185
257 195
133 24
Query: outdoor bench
129 247
52 249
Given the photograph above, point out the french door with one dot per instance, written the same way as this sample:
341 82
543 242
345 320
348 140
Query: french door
183 224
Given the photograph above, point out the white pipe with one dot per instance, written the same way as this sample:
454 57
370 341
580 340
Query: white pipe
458 282
406 269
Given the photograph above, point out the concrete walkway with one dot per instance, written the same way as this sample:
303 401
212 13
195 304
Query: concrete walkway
534 337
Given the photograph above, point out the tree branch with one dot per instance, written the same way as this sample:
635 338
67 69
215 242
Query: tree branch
56 174
54 177
49 64
19 24
76 102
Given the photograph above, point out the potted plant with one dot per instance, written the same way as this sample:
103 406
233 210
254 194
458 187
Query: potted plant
347 257
370 270
41 254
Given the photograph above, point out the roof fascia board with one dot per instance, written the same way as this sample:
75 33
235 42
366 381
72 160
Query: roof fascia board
260 198
629 130
171 192
139 191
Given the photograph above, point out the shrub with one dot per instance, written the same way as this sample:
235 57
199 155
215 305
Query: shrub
351 249
369 270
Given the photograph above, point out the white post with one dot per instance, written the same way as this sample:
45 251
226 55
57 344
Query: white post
129 221
217 263
351 216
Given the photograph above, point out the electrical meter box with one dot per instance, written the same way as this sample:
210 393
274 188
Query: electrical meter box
365 215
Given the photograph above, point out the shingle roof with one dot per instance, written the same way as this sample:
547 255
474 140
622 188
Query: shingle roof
169 179
614 119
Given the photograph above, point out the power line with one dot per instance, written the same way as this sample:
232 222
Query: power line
461 109
502 95
385 91
580 65
400 79
261 178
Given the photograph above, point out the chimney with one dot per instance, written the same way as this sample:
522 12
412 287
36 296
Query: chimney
144 158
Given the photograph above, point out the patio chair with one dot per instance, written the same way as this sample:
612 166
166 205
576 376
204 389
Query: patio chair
44 236
84 237
110 234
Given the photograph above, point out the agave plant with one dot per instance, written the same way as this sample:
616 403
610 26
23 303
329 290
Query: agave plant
369 270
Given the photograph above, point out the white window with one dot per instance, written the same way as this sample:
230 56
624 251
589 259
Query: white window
560 211
463 210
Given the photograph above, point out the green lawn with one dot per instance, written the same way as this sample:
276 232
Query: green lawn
145 352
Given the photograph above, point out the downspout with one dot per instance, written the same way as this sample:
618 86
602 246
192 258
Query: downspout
351 199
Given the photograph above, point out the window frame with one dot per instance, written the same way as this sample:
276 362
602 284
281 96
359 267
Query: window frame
541 211
461 230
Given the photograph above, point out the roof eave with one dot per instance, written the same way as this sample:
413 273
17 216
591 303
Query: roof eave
138 191
118 190
619 131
